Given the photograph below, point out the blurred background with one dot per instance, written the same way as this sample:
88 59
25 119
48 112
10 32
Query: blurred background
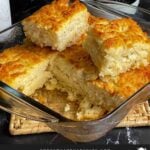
21 8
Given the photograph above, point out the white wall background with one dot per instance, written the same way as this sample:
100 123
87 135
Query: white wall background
5 16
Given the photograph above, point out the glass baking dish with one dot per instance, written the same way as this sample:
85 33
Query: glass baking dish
84 131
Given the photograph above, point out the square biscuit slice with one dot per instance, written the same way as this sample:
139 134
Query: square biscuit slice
59 24
70 69
24 67
73 73
125 86
117 46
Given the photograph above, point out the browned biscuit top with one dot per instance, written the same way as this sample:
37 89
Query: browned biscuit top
78 57
118 33
54 16
127 83
20 60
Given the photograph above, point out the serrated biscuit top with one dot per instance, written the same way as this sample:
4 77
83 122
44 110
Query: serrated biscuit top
118 32
55 15
20 60
127 83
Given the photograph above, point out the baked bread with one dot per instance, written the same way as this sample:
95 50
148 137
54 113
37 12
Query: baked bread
75 74
72 75
58 24
117 46
71 68
127 83
24 67
57 101
71 72
124 86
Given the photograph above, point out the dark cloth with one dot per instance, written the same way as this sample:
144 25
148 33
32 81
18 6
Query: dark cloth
23 8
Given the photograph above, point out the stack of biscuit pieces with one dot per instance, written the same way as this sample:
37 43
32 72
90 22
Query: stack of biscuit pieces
79 65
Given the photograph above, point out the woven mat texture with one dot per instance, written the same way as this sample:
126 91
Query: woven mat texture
139 116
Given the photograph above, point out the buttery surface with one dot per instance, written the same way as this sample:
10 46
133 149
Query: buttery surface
59 24
116 46
23 64
54 16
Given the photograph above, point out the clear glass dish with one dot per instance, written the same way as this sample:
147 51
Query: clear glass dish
15 102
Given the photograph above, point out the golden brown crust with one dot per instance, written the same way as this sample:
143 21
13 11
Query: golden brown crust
118 32
127 83
116 46
53 16
96 21
80 59
19 60
76 55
